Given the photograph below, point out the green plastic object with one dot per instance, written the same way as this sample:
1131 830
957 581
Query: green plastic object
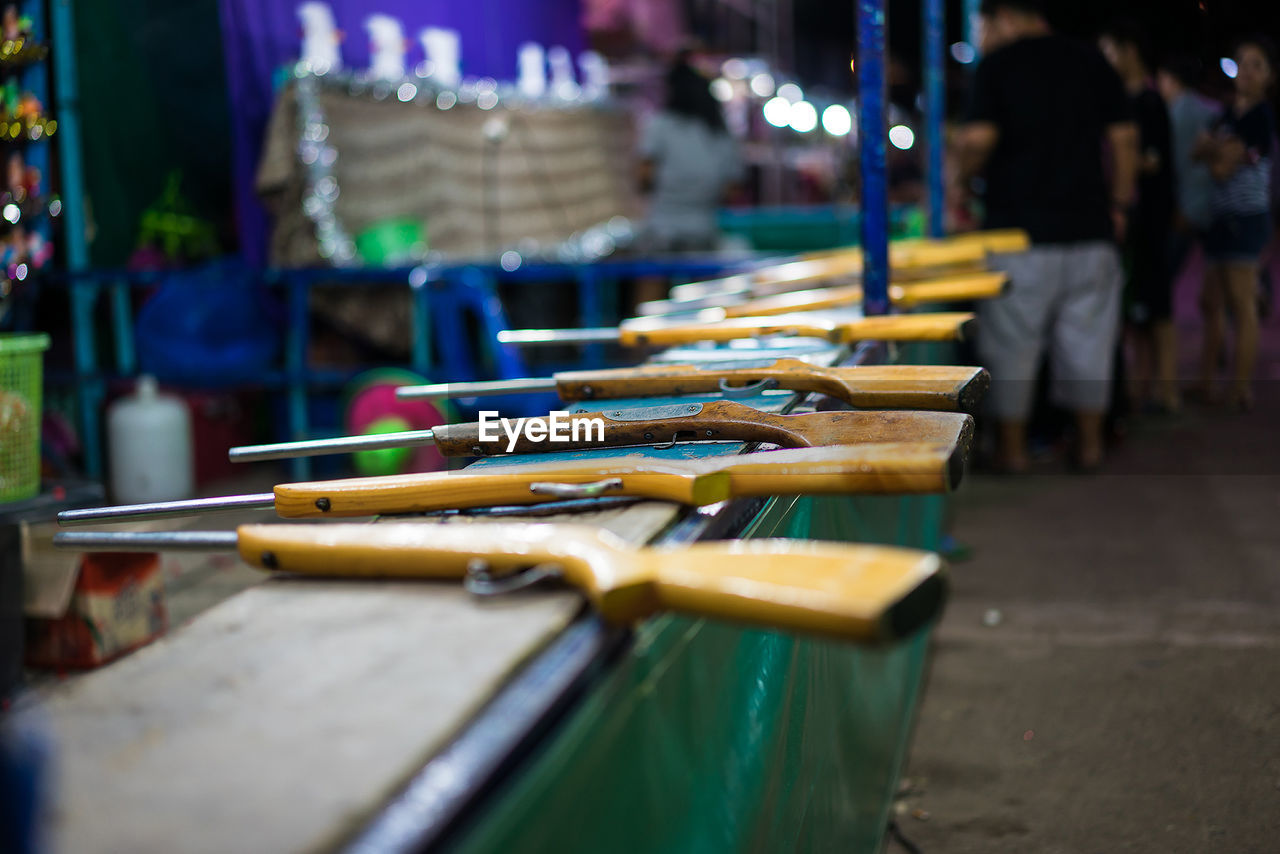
21 363
384 461
806 228
711 738
392 243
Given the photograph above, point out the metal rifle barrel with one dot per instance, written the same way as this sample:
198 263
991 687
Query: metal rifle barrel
337 445
557 336
476 389
149 541
729 286
165 509
665 307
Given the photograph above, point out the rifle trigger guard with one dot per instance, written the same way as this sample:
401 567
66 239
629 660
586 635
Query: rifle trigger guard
576 490
479 579
732 391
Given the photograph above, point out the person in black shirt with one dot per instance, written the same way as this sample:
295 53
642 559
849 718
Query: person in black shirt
1149 294
1238 153
1043 109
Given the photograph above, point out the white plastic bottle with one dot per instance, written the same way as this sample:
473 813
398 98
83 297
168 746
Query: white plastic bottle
149 445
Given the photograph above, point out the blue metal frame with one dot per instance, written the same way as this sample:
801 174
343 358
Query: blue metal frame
935 108
444 290
872 136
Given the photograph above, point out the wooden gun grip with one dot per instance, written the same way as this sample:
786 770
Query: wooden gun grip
996 240
967 287
927 252
938 326
819 429
882 468
420 493
925 387
860 593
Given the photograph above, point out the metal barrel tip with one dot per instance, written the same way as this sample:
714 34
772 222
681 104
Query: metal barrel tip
164 509
476 389
338 445
556 336
423 392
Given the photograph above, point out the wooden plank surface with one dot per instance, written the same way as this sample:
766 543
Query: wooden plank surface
280 719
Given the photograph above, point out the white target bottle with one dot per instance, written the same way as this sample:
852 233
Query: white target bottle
149 446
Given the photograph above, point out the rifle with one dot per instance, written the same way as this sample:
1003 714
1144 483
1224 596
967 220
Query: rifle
873 468
659 332
662 426
970 286
868 386
853 592
908 259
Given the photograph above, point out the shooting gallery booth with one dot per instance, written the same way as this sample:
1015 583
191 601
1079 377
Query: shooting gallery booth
498 467
516 426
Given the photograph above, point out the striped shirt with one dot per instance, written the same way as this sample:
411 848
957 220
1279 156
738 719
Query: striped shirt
1247 190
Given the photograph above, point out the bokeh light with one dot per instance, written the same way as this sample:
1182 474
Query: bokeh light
804 117
836 120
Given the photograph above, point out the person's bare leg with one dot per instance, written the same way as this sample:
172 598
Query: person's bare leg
1142 362
1088 438
1165 343
1011 441
1242 291
1211 309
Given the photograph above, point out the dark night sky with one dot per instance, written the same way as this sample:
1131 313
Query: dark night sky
825 29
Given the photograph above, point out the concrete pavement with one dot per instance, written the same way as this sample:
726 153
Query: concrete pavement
1107 675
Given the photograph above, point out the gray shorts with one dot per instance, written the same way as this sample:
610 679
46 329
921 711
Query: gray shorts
1065 296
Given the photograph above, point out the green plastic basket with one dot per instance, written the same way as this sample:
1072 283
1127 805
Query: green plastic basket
21 359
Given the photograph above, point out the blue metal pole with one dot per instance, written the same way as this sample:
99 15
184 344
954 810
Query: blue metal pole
122 327
872 135
62 23
296 343
89 387
935 108
420 295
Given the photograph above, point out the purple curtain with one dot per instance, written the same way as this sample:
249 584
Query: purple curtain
262 36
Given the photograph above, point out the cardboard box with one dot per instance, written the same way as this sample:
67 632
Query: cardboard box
15 517
84 610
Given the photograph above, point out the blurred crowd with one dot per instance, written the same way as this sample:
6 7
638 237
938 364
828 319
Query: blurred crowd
1116 165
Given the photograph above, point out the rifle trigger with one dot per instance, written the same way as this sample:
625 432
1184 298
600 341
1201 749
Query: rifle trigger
674 438
479 579
576 490
732 391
